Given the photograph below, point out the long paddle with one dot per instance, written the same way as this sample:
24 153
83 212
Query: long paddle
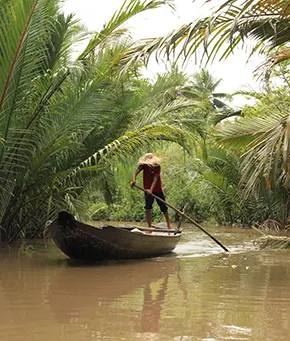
185 216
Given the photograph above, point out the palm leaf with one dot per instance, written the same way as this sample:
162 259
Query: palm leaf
22 71
17 27
220 33
126 144
129 9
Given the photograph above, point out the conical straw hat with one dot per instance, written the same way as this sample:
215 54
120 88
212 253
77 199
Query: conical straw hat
149 159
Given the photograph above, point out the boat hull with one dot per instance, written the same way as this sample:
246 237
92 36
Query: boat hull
85 242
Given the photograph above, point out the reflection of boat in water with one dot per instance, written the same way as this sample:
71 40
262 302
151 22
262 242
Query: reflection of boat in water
82 241
87 292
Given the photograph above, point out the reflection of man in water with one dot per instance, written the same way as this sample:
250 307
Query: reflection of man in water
154 295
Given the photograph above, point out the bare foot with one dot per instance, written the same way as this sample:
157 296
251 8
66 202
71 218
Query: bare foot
148 232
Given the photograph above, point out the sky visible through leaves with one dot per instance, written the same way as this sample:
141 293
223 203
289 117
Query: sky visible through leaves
236 72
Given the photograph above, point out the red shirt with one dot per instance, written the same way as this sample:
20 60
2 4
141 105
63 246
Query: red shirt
149 173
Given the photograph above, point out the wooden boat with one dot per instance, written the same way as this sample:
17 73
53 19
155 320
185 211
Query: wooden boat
85 242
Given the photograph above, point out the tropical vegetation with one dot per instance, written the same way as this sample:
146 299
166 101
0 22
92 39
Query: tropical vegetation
260 138
72 128
64 122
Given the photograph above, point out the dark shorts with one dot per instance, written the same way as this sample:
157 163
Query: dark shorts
149 199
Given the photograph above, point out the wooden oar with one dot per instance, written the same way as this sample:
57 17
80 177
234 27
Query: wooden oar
185 216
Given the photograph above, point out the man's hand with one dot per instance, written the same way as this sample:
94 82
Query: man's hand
132 183
149 191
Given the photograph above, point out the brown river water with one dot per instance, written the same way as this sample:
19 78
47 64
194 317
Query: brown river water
197 293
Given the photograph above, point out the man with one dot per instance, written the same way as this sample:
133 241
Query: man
150 165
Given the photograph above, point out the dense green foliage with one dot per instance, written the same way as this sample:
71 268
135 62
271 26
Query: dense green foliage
260 140
228 175
65 122
72 129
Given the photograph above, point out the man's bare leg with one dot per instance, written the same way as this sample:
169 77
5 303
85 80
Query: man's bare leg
166 215
149 217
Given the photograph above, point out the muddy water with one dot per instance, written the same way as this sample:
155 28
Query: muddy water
197 293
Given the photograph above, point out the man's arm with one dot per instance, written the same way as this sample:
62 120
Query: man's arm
137 171
150 191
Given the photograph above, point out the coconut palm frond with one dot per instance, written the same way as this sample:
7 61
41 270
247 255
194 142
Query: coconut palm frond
224 114
272 31
167 87
226 192
220 183
227 164
127 143
166 112
265 143
23 74
269 159
273 242
267 22
129 9
21 51
65 32
249 94
241 134
14 32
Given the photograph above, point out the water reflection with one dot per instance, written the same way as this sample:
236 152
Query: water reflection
196 294
76 287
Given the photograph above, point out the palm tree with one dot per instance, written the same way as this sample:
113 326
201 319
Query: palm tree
203 89
265 23
63 122
262 136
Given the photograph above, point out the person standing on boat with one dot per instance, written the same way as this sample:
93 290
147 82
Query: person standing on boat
150 165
